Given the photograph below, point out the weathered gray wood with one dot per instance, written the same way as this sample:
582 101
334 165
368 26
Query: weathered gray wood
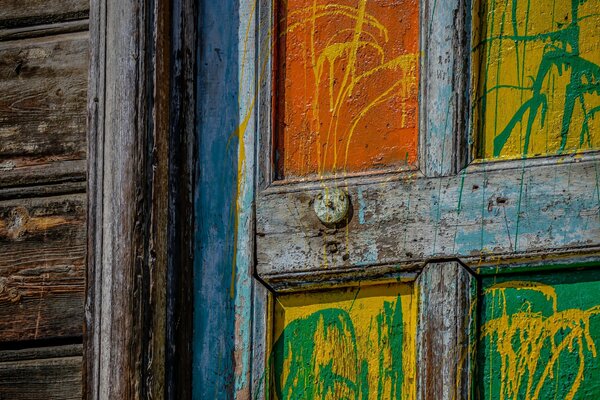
446 332
42 243
444 76
266 36
38 353
44 373
42 190
261 340
43 82
128 203
46 170
31 12
43 30
477 215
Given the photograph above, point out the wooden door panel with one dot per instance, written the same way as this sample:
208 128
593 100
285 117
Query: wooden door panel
290 239
450 216
478 216
539 336
536 69
354 342
346 98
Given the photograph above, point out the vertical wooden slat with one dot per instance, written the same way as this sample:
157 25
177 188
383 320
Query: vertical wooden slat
446 332
261 340
128 199
182 145
444 80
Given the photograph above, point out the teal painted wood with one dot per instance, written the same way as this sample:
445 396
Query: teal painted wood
244 262
224 200
480 216
215 200
445 33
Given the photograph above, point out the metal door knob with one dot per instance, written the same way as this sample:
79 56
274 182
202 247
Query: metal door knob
331 205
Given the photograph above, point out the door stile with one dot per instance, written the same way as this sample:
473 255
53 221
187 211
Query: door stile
443 101
446 332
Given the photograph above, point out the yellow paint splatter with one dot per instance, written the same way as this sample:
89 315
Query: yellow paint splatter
351 338
520 339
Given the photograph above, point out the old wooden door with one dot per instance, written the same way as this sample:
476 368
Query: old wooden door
398 199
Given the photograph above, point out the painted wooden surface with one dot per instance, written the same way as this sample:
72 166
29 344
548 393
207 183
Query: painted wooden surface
347 74
444 86
539 336
224 202
42 267
495 213
42 373
43 82
32 12
354 343
537 66
476 215
446 332
215 202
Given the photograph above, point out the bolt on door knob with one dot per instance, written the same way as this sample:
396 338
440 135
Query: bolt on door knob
331 206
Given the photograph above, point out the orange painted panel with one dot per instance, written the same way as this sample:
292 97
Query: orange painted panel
347 86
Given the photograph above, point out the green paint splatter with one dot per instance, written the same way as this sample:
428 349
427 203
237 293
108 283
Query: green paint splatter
561 55
316 357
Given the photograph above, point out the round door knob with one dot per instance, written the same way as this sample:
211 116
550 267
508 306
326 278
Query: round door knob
331 206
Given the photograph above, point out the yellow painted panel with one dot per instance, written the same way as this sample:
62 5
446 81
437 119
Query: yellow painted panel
537 77
354 343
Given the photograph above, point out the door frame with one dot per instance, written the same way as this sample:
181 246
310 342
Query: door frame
137 333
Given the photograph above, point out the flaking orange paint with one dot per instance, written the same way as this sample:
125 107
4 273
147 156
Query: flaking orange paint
347 86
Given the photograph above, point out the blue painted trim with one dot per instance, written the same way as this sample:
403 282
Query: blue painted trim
215 200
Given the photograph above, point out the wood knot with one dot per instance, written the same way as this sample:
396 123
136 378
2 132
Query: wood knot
14 295
6 291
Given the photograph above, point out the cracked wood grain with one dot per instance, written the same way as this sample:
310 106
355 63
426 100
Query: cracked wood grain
477 214
446 332
42 268
42 110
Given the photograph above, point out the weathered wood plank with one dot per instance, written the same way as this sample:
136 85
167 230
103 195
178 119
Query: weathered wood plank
478 214
446 332
30 12
42 270
45 373
219 102
43 30
38 353
262 340
42 190
128 182
444 80
182 183
43 82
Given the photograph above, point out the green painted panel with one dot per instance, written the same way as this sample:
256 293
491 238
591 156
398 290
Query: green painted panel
539 336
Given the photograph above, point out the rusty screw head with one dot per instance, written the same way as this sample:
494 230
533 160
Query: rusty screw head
331 205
